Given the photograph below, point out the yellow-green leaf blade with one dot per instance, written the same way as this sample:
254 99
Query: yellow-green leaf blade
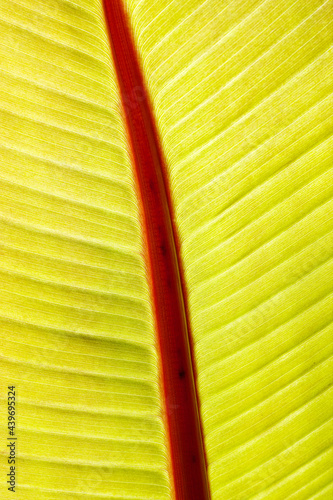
77 329
242 93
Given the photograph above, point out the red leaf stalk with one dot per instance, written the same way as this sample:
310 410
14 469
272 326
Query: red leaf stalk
178 381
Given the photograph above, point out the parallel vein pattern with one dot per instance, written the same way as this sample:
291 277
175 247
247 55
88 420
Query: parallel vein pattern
188 463
76 326
242 94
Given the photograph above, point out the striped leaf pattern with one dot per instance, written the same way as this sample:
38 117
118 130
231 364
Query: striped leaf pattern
242 93
77 332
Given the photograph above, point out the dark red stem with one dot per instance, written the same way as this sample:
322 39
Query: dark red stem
189 473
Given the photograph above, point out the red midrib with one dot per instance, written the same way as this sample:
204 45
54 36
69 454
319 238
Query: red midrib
178 382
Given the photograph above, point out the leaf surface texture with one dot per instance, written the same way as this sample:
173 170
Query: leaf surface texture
78 336
242 96
242 93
